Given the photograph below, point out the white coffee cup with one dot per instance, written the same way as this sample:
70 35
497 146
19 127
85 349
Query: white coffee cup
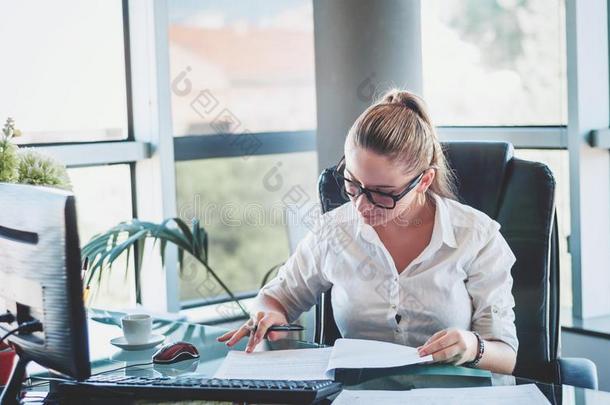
137 328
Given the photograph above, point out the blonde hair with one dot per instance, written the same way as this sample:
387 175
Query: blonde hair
398 126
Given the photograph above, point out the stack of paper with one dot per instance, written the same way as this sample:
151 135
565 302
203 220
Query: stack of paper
317 364
301 364
359 353
503 395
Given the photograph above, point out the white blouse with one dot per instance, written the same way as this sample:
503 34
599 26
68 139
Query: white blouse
461 279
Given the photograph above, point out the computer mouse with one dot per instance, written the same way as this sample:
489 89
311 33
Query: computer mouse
176 369
175 352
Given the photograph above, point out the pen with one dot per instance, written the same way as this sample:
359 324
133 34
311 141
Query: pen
289 327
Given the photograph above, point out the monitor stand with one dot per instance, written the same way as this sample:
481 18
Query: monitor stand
12 390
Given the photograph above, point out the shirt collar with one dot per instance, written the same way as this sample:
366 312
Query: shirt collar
441 233
443 220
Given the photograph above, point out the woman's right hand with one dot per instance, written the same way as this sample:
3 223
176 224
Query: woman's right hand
260 322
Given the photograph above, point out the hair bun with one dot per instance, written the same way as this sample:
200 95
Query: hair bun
406 99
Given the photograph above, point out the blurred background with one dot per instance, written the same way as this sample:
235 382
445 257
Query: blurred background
65 80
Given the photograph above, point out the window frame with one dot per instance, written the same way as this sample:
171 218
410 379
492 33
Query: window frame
151 149
198 147
101 153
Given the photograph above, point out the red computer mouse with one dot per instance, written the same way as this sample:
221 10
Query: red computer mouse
175 352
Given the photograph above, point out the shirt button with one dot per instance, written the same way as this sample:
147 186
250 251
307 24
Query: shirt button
397 330
393 306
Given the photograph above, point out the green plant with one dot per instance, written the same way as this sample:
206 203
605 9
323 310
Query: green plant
27 166
104 249
38 169
9 160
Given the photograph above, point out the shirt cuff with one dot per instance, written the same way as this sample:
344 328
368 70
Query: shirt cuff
498 324
292 312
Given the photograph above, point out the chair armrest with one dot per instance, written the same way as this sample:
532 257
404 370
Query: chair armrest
579 372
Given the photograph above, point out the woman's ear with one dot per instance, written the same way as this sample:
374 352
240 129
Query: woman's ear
427 180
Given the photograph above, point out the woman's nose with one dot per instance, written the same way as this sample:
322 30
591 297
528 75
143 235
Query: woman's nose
363 204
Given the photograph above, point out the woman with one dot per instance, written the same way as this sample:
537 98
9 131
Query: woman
408 264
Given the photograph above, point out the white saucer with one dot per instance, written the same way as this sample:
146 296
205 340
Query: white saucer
153 341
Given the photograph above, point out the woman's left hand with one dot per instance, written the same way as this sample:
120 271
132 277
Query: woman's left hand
451 346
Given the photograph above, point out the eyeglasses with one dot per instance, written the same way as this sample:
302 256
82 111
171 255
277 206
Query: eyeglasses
377 198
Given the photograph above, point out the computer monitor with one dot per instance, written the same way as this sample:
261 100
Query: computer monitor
40 279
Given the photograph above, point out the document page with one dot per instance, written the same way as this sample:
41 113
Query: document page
317 364
297 364
502 395
361 353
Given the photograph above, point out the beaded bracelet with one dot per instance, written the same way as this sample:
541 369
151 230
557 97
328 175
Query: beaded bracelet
480 351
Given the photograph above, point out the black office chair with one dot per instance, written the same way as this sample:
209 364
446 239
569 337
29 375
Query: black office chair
519 195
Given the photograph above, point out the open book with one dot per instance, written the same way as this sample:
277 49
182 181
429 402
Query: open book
317 364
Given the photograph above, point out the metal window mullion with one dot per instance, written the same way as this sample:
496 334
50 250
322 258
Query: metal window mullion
543 137
588 106
195 147
152 123
250 144
98 153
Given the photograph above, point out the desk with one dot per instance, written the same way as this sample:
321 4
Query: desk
104 325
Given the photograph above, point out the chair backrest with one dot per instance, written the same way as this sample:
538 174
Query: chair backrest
519 195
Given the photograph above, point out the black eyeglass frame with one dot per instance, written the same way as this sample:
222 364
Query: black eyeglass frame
341 179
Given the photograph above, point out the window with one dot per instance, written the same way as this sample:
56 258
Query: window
488 62
63 70
103 199
507 68
64 82
242 66
238 66
242 203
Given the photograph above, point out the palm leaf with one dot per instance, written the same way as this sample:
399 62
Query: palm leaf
127 262
184 228
104 256
181 259
104 249
162 250
116 251
201 239
95 244
196 242
140 245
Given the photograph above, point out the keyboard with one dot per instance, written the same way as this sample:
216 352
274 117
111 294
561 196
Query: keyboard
213 389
